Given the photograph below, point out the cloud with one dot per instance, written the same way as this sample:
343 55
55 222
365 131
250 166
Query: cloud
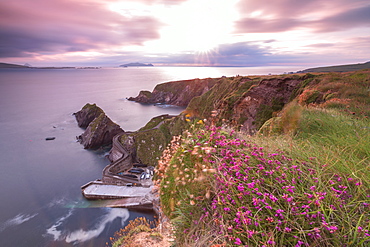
43 27
165 2
320 45
317 15
248 54
359 17
232 54
254 25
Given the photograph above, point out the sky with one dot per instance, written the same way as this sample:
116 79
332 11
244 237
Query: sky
303 33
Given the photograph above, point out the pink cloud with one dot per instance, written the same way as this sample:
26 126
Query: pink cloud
65 25
317 15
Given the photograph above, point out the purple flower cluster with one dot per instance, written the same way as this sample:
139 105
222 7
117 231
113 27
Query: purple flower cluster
264 198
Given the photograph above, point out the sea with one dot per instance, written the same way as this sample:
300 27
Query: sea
41 201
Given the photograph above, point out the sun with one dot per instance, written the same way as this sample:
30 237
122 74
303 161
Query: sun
194 26
198 25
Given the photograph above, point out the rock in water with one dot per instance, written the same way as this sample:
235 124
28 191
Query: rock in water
87 114
99 132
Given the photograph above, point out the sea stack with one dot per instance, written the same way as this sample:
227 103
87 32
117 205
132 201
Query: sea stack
87 114
100 130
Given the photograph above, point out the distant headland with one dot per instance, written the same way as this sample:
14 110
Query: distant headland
136 65
12 66
338 68
27 66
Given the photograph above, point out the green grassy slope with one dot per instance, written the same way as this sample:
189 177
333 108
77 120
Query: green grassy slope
339 68
303 180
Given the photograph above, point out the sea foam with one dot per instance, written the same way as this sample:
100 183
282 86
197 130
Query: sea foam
17 220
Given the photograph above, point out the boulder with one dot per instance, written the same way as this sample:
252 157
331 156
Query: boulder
99 132
87 114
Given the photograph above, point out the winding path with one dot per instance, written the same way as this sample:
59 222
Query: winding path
125 162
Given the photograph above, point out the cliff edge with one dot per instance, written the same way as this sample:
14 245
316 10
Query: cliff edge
177 93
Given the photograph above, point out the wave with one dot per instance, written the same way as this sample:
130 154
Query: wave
53 231
82 235
56 202
17 220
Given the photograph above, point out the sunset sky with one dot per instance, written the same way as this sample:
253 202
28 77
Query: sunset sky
306 33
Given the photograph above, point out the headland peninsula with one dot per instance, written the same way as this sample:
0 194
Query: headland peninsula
277 160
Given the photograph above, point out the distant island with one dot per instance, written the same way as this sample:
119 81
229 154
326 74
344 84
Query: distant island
338 68
136 65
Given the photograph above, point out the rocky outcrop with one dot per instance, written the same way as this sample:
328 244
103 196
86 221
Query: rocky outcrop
87 114
247 102
147 144
100 129
100 132
177 93
259 103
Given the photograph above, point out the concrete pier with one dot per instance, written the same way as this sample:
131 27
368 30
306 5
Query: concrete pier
108 191
118 183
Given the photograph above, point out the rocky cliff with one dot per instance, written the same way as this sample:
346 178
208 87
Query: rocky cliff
177 93
87 114
259 103
247 102
147 144
100 128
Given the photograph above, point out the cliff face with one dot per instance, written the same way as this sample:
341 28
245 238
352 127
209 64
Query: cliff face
259 103
147 145
87 114
246 102
177 93
100 128
100 132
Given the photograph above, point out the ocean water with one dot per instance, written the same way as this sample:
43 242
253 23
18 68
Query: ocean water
41 201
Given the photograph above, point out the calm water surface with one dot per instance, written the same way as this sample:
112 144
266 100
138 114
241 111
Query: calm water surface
41 201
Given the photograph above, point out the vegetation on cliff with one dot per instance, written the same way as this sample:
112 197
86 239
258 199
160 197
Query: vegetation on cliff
100 129
302 180
340 68
223 188
177 93
87 114
248 102
151 140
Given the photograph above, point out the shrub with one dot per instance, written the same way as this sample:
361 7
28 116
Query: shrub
125 236
260 197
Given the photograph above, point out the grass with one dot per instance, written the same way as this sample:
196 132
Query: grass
303 180
126 236
150 142
309 187
341 137
222 96
349 92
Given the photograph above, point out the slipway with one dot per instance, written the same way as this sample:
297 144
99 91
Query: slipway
107 191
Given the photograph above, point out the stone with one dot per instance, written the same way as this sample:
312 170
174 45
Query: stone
87 114
99 132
